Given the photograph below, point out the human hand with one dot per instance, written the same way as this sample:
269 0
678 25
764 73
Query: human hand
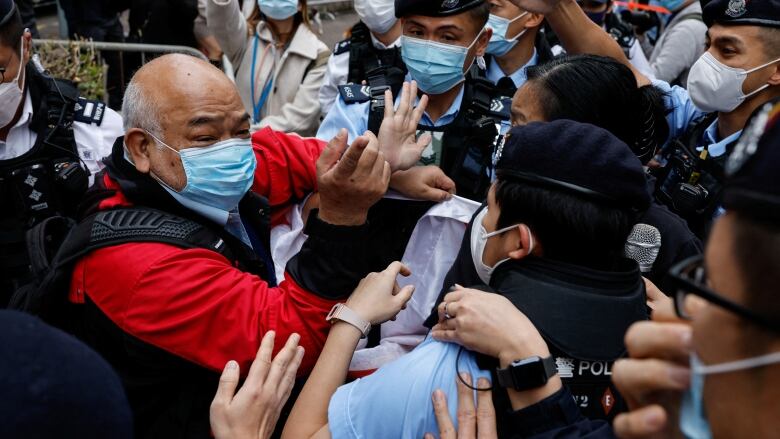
428 183
254 410
657 301
490 324
351 183
537 6
475 422
398 133
654 378
378 298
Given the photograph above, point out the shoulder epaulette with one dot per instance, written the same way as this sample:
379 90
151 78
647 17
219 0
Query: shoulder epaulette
89 112
342 47
355 93
501 107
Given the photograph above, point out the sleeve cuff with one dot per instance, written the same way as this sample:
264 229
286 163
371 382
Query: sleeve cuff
555 412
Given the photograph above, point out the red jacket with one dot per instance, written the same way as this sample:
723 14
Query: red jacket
191 302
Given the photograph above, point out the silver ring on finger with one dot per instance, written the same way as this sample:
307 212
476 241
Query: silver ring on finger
447 315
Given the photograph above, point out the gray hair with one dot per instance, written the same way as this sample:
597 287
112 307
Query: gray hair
139 110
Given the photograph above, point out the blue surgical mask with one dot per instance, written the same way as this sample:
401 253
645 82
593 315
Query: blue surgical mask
499 44
693 420
219 175
436 67
278 9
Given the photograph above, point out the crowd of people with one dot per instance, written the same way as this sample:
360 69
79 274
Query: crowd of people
470 218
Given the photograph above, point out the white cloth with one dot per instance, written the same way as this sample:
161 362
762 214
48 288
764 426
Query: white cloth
93 142
431 251
338 73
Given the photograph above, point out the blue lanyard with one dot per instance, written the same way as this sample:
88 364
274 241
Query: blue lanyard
258 105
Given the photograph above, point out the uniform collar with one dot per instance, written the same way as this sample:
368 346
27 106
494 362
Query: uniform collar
449 115
717 147
303 42
381 46
494 72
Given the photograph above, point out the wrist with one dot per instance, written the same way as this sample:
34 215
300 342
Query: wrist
341 217
521 349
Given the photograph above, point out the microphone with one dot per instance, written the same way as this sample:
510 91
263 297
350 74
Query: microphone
643 246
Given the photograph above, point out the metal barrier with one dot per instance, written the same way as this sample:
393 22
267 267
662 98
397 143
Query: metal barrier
143 49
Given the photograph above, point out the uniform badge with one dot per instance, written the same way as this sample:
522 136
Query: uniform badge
449 4
737 8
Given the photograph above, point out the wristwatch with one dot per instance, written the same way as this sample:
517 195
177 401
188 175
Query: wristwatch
527 374
346 315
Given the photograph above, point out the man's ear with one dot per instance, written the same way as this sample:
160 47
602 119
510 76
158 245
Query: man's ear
138 144
523 242
534 20
482 41
27 42
775 78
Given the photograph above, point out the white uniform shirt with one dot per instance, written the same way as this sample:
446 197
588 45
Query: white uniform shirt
430 253
338 73
93 142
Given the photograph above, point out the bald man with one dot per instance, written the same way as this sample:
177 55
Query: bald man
181 290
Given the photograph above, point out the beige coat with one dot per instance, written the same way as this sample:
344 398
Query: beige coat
293 104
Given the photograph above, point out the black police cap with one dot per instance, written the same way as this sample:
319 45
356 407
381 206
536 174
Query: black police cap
577 158
434 8
745 12
7 8
753 168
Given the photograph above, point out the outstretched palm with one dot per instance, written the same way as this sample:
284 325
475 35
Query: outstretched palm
398 133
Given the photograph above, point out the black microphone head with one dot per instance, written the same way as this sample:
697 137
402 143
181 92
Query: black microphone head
643 246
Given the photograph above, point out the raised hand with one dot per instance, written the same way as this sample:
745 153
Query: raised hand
537 6
350 183
475 422
398 133
253 411
378 297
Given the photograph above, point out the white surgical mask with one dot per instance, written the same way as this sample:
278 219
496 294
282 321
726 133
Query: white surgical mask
693 421
714 86
11 93
479 238
378 15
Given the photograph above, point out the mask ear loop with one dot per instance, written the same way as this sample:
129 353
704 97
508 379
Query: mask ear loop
531 244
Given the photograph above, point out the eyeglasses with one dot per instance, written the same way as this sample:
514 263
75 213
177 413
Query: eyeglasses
690 277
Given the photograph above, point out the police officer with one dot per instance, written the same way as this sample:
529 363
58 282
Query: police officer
372 52
51 143
515 45
441 41
739 72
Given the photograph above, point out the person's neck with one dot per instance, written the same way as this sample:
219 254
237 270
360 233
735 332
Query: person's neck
730 123
4 131
390 36
439 104
519 56
282 29
755 403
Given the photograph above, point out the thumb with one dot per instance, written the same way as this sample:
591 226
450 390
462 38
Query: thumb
332 152
227 384
444 183
434 194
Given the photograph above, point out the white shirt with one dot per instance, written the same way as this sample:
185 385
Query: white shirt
430 253
93 142
338 73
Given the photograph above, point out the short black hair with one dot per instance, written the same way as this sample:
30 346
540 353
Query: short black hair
602 92
771 37
12 31
569 228
480 14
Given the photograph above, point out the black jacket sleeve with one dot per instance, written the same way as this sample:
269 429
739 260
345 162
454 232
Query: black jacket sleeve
555 417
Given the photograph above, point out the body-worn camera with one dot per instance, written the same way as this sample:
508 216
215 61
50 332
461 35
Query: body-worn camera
679 183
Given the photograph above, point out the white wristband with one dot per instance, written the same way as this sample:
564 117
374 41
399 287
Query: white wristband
346 315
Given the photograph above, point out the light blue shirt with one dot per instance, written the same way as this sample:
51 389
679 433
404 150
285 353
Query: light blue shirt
494 72
395 401
684 112
230 219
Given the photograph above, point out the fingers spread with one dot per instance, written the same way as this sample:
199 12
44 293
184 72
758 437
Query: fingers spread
282 361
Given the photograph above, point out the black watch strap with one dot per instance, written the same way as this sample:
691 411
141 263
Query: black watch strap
527 374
